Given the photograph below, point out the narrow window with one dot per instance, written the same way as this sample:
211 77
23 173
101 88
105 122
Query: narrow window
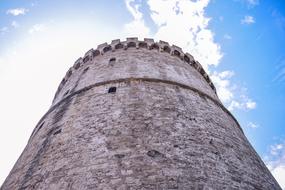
57 132
112 90
66 93
85 70
41 125
112 61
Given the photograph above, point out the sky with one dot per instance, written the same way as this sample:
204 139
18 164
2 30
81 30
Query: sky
240 43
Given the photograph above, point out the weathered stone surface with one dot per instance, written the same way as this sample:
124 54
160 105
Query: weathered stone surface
162 127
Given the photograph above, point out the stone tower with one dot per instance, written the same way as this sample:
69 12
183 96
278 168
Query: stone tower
138 115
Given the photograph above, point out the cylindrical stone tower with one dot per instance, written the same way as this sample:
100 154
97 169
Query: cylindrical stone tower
138 115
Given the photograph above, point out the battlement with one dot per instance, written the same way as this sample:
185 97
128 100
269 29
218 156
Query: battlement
148 44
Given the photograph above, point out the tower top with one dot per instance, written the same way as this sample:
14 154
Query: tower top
147 43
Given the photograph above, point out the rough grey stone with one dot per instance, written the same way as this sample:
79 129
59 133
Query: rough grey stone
163 128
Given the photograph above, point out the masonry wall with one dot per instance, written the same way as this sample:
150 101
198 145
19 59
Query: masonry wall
163 128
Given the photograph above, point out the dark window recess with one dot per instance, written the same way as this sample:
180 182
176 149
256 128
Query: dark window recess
176 53
57 132
107 48
85 70
166 49
41 125
63 81
77 65
96 53
66 93
131 44
154 46
112 60
69 73
120 156
143 45
112 90
153 153
85 59
186 58
119 46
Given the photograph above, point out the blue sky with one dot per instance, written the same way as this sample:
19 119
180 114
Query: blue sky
239 42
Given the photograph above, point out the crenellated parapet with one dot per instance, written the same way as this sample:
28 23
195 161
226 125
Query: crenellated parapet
148 44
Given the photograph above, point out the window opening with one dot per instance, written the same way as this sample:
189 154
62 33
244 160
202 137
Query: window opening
112 61
112 90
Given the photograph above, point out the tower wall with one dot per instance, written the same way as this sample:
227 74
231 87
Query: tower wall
163 128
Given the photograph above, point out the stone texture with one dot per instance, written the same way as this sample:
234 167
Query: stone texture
163 128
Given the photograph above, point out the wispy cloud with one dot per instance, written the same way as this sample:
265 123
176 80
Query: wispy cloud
227 37
15 24
37 28
249 104
193 35
223 85
4 30
275 161
252 125
241 102
279 20
137 26
280 77
249 3
233 96
252 2
184 23
248 20
17 11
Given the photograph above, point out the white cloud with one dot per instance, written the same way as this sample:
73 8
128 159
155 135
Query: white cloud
37 28
226 74
136 27
233 96
242 103
252 2
17 11
252 125
250 104
223 86
276 149
279 173
184 23
227 37
248 20
15 24
275 161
